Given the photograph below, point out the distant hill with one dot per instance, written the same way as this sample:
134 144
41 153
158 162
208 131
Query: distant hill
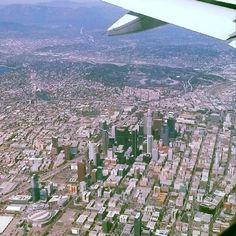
70 4
62 18
13 27
89 17
20 30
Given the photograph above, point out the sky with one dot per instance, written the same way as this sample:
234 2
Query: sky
2 2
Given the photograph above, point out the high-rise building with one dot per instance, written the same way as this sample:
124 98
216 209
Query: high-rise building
44 195
113 131
55 146
92 153
105 138
94 176
157 124
170 154
140 133
35 188
165 134
99 161
149 144
55 142
67 152
90 166
111 142
50 188
120 157
135 142
82 187
100 173
154 154
81 170
148 123
122 136
73 149
137 224
171 126
110 153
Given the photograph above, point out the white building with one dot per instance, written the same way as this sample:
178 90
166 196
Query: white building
149 144
92 152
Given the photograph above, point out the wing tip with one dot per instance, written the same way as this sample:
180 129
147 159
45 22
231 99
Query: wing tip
233 44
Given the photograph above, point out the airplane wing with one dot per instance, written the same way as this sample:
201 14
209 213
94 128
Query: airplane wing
213 18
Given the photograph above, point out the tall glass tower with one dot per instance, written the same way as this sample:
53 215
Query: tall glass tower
137 224
105 138
35 188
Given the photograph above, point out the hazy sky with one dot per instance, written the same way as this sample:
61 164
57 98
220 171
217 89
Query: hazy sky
35 1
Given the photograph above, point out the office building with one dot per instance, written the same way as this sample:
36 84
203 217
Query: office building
94 176
35 188
122 136
82 187
165 134
66 149
104 135
135 142
73 150
171 126
99 161
44 195
113 132
140 133
170 154
154 154
50 188
55 143
148 123
137 224
92 153
81 170
100 173
149 144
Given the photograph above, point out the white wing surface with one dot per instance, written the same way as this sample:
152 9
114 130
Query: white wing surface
203 17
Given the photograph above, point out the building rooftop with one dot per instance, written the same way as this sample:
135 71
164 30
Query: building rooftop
4 222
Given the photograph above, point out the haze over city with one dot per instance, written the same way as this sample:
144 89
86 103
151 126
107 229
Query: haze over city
4 2
99 136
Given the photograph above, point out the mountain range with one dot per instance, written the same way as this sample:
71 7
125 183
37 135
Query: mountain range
57 16
65 19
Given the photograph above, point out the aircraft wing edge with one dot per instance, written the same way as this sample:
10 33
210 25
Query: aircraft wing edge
212 20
